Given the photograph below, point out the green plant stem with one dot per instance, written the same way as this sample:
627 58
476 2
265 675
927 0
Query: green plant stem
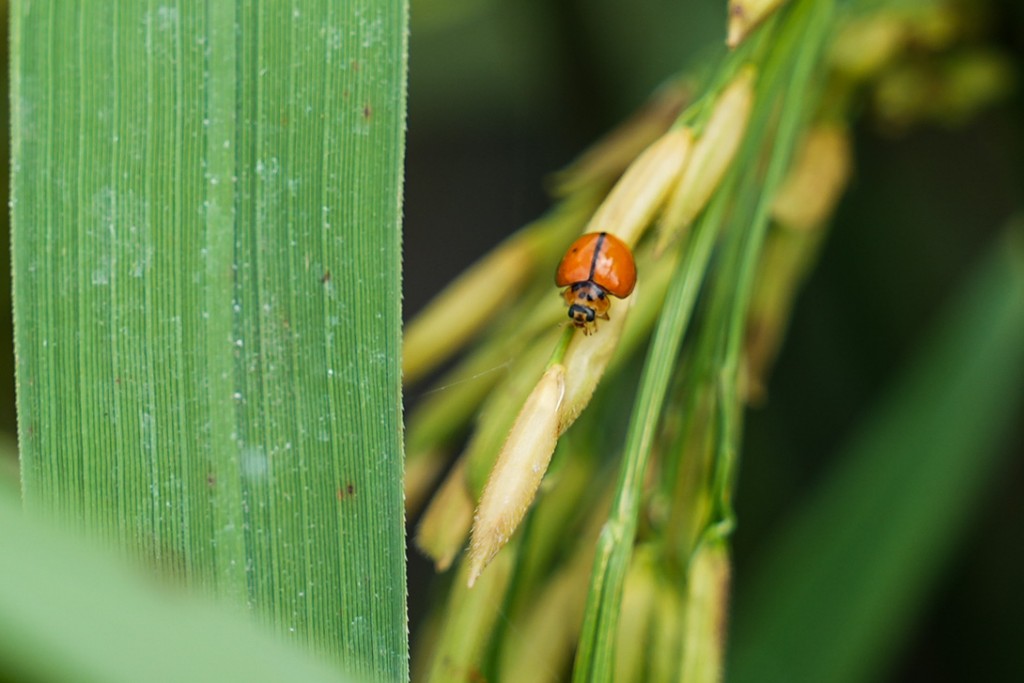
791 77
595 652
795 53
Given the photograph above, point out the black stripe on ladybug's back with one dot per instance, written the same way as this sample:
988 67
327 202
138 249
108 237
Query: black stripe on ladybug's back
597 252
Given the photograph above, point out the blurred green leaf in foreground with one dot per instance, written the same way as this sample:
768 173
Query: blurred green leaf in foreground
68 613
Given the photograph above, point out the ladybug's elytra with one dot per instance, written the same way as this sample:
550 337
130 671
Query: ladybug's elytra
596 265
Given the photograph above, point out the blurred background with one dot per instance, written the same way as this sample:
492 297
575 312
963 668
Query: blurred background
502 94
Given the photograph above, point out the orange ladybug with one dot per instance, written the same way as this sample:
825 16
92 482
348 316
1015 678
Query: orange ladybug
597 265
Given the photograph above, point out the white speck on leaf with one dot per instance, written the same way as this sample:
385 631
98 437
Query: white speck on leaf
253 462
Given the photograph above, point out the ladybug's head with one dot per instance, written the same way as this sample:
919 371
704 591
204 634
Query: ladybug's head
581 315
587 302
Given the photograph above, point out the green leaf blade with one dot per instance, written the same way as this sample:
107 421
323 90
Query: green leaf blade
207 207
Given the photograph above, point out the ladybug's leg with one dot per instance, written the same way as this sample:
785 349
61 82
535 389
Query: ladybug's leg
600 306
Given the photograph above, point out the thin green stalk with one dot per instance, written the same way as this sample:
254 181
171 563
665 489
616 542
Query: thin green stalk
595 652
806 40
794 54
